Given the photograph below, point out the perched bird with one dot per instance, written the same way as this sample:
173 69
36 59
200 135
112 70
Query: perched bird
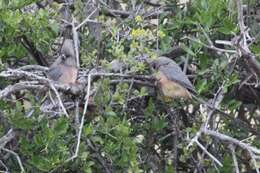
64 69
173 82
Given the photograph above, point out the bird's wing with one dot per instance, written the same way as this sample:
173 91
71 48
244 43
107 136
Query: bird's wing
174 73
55 73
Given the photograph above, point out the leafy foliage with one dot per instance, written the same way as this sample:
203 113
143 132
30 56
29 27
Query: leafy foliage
131 129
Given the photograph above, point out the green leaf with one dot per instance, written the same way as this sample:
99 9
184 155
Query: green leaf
21 122
41 163
188 50
158 123
61 126
122 130
55 27
233 104
202 86
227 165
203 61
228 27
88 130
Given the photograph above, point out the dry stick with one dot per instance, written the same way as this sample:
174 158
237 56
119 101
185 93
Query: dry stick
77 112
147 77
137 82
5 167
176 134
233 140
18 74
87 20
234 157
82 120
252 155
217 99
76 36
128 95
157 34
213 108
33 67
224 42
59 99
226 115
17 158
208 153
42 81
210 47
252 150
243 47
7 138
18 87
246 53
241 23
21 73
75 40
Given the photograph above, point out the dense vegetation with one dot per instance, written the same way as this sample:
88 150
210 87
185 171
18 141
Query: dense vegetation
115 120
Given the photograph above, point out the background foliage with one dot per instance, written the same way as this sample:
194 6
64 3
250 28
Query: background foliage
130 129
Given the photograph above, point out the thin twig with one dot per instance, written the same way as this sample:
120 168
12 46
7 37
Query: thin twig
210 47
5 167
232 140
75 41
59 99
17 158
82 120
254 161
86 20
208 153
234 157
7 138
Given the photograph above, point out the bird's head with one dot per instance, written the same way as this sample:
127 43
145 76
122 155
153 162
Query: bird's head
158 62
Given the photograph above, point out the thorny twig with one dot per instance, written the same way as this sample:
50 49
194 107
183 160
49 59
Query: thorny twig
215 103
242 45
253 151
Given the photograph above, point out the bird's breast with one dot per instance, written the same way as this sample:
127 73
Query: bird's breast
69 74
171 88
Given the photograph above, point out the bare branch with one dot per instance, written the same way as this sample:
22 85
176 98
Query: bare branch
7 138
17 158
82 120
208 153
232 149
59 99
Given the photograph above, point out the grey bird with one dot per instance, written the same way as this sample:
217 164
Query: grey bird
173 82
64 69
